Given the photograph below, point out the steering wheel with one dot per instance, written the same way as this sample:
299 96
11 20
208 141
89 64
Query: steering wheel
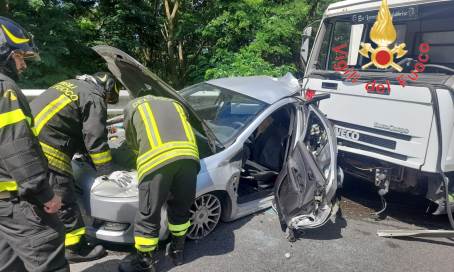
439 67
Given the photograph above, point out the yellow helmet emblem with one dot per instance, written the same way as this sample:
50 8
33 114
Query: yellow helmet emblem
104 78
10 94
383 33
13 38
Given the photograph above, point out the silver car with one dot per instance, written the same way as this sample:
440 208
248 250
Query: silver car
259 141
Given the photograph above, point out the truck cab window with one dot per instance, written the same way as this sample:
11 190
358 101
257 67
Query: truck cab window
414 25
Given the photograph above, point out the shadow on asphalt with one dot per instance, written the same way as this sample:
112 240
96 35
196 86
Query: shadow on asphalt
107 266
330 231
436 242
403 207
220 242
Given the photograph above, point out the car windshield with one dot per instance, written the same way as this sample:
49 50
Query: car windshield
352 37
226 112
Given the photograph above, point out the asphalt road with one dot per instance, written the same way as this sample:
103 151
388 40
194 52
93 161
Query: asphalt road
256 243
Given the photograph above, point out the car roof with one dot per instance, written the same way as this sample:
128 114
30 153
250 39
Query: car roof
264 88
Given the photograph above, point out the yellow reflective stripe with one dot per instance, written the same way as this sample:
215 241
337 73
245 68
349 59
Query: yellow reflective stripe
451 197
180 233
29 120
187 128
154 124
165 147
9 186
145 244
57 158
13 38
178 228
170 149
49 111
148 126
101 157
55 152
11 117
165 157
73 237
52 161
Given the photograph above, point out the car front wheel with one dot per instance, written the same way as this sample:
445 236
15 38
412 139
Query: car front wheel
205 215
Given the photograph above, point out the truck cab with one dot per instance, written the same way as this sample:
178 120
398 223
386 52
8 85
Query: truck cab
389 67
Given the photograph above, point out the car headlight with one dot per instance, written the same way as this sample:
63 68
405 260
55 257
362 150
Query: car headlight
119 184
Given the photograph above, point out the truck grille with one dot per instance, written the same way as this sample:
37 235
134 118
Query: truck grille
342 142
373 130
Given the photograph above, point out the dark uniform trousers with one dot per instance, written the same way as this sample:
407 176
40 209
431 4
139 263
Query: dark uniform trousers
71 117
174 183
30 238
69 214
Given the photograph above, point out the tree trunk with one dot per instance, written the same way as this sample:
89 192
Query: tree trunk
173 48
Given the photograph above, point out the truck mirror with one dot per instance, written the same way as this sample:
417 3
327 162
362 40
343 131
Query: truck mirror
304 52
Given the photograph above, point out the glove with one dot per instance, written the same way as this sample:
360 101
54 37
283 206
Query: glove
121 178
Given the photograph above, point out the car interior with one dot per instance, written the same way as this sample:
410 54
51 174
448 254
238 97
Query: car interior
263 156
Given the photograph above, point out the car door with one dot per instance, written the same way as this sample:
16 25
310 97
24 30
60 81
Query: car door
140 81
307 185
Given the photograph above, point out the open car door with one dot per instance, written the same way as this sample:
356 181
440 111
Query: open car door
306 187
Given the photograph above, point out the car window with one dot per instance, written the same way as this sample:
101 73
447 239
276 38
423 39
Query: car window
226 112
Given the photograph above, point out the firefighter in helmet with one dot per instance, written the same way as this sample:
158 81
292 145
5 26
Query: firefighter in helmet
70 117
167 164
31 235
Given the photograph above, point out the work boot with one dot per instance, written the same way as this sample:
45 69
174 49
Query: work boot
175 249
84 252
140 262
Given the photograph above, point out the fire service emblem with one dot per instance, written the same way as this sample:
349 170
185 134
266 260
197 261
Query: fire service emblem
383 34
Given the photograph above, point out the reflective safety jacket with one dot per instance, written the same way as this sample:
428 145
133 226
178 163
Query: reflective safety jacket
158 130
71 117
23 167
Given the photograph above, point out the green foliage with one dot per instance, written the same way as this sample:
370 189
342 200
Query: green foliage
268 38
211 38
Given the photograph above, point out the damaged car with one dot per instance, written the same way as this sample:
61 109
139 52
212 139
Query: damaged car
260 143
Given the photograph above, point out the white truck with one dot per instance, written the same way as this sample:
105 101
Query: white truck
389 67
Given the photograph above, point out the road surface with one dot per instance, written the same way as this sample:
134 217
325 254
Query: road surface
256 243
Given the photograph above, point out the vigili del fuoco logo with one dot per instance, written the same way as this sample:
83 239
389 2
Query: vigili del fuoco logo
382 56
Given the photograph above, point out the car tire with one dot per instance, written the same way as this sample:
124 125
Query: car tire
205 216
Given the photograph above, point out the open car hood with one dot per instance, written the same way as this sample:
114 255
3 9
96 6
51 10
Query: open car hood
140 81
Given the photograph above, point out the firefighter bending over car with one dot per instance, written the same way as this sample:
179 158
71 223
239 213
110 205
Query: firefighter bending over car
167 165
71 117
31 235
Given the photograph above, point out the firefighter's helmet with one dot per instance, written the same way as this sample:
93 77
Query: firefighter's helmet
110 85
15 39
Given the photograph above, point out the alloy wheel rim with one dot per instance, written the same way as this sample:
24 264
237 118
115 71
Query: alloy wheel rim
205 215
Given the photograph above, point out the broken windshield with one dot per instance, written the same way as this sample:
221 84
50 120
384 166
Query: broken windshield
395 41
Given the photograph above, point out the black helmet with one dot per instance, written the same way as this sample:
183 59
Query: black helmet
14 39
110 85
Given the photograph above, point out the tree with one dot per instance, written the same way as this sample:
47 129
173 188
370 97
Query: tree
183 41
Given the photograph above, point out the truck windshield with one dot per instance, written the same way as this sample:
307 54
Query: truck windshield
348 36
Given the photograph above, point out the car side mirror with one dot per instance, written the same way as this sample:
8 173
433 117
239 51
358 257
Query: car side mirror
319 98
315 99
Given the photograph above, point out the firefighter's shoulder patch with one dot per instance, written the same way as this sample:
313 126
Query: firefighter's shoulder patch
10 94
